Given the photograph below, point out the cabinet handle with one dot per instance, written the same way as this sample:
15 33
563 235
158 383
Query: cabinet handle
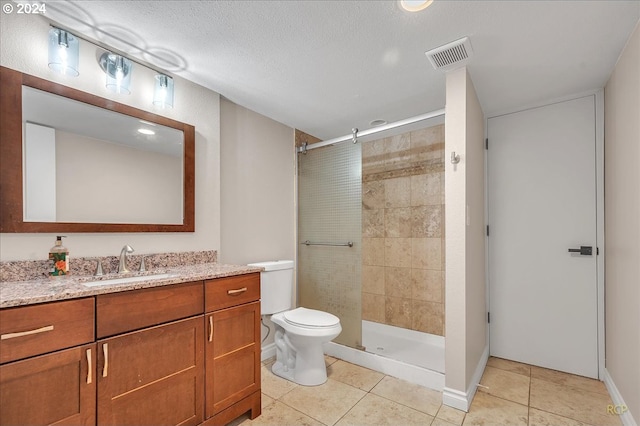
105 351
26 333
89 367
236 292
211 328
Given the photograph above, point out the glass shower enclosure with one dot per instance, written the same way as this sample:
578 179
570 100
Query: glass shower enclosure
330 235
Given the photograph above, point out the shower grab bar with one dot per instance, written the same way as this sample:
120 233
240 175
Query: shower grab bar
309 243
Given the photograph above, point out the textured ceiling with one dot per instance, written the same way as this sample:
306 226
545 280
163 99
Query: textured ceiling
327 66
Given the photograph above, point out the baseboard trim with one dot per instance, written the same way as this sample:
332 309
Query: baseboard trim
411 373
268 351
462 400
626 417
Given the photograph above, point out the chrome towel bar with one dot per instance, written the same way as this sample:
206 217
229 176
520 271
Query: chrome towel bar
347 244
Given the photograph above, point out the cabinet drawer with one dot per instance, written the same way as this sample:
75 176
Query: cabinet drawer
231 291
132 310
37 329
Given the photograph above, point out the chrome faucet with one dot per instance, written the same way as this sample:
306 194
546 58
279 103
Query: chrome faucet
122 266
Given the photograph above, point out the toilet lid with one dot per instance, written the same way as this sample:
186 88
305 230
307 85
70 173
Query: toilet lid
310 318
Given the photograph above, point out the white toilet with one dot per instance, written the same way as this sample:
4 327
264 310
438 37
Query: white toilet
300 332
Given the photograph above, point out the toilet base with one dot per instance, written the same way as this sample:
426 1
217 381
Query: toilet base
310 378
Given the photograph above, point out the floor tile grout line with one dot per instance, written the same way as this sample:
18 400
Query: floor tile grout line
560 415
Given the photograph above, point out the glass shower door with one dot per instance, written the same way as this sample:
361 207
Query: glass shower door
330 235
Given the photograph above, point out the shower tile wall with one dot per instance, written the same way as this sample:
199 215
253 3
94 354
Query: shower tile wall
403 230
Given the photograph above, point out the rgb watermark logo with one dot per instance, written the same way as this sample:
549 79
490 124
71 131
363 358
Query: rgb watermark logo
618 409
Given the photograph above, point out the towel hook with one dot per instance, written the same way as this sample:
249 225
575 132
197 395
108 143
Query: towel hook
455 159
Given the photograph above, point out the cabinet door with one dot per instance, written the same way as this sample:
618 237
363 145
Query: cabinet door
153 376
58 388
233 356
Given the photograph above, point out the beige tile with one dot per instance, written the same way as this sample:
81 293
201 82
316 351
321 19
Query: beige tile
372 157
326 403
567 379
397 312
354 375
397 252
328 360
373 307
574 403
450 415
427 317
542 418
278 414
373 194
488 410
417 397
506 385
273 385
397 192
427 189
428 136
266 400
397 282
427 285
373 279
440 422
397 150
373 223
375 410
397 222
508 365
373 250
426 221
426 253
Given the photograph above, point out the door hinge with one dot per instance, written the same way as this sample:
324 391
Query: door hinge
489 317
597 251
487 230
486 143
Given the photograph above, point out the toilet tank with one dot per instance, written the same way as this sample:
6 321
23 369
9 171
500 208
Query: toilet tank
276 286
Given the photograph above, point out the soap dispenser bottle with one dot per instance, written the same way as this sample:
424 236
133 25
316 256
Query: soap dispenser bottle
58 259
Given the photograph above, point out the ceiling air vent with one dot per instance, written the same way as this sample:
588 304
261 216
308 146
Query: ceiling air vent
451 55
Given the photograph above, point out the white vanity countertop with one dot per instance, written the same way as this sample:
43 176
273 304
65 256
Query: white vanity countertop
19 293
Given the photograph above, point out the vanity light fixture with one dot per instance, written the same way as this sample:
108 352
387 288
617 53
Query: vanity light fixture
415 5
64 52
118 71
163 92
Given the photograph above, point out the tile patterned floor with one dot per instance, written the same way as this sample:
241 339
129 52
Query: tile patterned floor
511 394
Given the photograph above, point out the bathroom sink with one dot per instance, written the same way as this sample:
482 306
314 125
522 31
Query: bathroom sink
126 280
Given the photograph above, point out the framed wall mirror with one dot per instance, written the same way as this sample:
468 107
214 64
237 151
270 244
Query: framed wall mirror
71 161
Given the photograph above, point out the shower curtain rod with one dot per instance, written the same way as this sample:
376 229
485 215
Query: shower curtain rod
371 131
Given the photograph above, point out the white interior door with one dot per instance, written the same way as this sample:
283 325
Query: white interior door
542 202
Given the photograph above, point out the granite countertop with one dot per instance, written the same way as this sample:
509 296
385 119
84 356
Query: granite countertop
19 293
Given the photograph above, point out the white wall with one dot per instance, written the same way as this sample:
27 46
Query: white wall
258 187
24 48
258 190
622 224
465 308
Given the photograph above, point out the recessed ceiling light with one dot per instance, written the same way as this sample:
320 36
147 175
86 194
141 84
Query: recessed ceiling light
415 5
146 131
376 123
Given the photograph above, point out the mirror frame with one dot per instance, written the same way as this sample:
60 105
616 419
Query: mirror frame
11 180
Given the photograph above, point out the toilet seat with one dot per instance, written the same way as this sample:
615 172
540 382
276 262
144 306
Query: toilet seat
310 318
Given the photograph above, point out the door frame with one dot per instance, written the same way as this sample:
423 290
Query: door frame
600 241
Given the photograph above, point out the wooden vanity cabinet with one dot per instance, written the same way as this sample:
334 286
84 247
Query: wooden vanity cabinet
233 348
40 381
153 375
